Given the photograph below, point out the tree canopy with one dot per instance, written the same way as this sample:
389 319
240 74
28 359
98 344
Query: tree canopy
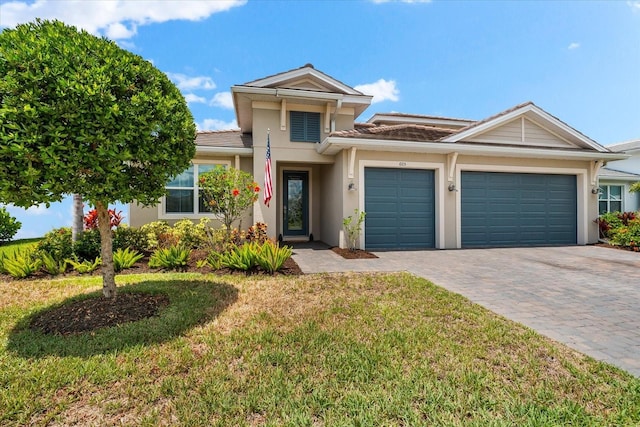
78 114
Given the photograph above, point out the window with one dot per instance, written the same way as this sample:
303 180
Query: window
610 198
305 126
182 191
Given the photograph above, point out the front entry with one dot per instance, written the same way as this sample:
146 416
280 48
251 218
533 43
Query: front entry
295 203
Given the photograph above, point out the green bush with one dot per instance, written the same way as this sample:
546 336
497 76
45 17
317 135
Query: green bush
190 235
272 257
243 258
130 237
87 247
171 258
51 265
85 266
125 258
628 235
21 264
156 232
57 243
213 260
9 226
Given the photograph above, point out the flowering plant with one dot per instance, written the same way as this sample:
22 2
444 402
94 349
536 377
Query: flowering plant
228 193
91 219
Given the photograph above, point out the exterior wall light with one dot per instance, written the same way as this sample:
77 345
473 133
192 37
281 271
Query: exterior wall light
351 187
452 187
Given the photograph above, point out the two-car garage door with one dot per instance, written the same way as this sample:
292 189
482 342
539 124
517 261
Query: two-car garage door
497 209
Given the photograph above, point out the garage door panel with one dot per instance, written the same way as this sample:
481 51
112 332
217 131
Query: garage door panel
404 217
510 209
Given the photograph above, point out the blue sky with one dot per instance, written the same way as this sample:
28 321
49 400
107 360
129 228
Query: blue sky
580 61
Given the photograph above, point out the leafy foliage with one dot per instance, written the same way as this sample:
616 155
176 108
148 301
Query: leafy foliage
85 266
228 193
125 258
610 221
243 257
57 243
130 237
352 227
156 232
627 235
189 234
21 264
9 226
87 247
635 187
78 114
272 257
91 219
171 258
213 260
52 265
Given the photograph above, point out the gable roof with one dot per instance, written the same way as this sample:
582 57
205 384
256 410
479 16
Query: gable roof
534 114
224 142
609 173
403 132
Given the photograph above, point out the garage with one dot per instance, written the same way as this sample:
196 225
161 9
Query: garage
518 209
400 207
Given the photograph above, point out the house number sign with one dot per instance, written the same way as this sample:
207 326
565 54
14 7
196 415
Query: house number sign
402 164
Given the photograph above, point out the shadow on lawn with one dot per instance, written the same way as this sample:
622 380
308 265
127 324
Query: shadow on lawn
191 302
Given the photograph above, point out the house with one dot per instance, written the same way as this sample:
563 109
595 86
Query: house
616 178
519 178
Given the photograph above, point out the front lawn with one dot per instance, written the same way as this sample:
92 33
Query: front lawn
352 349
8 248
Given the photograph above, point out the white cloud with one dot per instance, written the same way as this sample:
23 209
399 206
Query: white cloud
216 124
192 83
194 99
223 100
382 90
634 5
37 210
115 18
573 45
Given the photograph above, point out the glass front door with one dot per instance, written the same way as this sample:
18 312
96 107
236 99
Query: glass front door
295 207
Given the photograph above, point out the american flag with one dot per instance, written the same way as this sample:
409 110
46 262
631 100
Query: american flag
268 188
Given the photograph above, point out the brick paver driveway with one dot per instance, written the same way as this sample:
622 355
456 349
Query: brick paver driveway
587 297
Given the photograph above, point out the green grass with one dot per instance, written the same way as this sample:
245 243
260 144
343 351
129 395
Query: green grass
18 245
334 350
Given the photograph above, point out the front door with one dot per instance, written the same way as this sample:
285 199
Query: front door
295 207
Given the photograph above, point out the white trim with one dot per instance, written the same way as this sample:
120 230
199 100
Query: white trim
438 184
281 171
183 215
224 151
623 194
300 73
332 145
582 221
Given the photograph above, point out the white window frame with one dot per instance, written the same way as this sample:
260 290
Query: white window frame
162 206
609 199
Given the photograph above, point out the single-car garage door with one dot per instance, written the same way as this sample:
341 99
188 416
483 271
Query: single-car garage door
518 209
400 208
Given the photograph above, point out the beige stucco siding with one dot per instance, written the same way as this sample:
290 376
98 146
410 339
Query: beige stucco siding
447 225
522 131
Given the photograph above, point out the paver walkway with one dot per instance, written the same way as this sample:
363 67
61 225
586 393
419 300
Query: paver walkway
586 297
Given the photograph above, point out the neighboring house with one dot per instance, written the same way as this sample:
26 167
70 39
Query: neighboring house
616 178
519 178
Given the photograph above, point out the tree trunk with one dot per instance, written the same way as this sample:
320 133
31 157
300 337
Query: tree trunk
78 215
109 289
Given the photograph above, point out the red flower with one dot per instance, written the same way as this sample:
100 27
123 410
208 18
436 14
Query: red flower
236 192
257 189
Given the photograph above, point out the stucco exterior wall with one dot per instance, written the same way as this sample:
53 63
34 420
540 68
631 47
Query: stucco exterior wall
448 202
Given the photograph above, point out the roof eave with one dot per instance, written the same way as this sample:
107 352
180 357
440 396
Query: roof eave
224 151
333 145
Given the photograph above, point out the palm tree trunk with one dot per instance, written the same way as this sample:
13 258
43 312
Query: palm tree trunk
109 289
78 215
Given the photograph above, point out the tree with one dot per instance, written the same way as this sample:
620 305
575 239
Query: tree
228 193
635 187
9 225
76 218
79 115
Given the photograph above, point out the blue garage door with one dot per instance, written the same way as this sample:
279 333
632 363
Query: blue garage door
400 208
518 209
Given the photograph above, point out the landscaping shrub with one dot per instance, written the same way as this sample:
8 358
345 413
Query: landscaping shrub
9 226
130 237
243 257
85 266
156 232
272 257
125 258
627 235
57 243
91 219
21 264
257 233
611 221
172 258
213 260
190 235
87 247
51 265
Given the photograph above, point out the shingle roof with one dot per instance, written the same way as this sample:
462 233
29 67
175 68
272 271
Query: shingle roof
224 138
404 132
625 146
612 173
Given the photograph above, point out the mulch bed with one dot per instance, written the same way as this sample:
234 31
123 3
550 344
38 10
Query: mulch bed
94 313
353 254
624 248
